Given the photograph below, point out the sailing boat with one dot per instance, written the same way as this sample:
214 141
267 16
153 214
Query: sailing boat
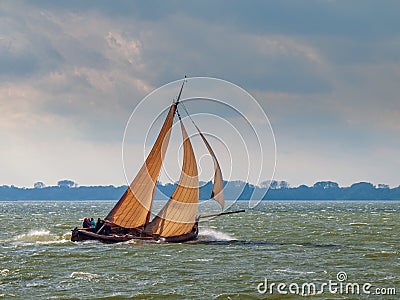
177 221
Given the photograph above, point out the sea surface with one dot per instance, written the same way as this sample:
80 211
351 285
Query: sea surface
288 244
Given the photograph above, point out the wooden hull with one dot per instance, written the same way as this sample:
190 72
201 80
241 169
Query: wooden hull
81 234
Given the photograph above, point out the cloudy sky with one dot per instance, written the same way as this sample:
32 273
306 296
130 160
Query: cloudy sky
326 73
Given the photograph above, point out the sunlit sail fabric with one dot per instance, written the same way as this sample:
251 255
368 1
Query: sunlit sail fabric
132 210
218 185
178 216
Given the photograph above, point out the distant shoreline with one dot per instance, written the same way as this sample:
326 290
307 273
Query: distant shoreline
234 190
227 200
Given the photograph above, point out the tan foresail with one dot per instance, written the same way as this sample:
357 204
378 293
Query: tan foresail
178 216
132 210
217 191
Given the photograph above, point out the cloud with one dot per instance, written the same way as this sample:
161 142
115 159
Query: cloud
326 72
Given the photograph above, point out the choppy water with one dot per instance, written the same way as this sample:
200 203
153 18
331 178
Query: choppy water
285 242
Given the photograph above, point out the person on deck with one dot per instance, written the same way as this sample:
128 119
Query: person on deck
86 223
99 223
92 223
107 228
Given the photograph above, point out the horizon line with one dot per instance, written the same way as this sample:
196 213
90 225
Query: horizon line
264 185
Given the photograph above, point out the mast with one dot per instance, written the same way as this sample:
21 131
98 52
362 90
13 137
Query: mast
180 92
178 216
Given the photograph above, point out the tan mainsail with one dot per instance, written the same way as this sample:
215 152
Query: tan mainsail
178 216
132 210
218 185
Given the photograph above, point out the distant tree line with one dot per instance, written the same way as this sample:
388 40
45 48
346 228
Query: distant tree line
234 190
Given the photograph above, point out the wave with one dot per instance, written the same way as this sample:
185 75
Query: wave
210 235
358 224
297 272
84 275
34 235
41 236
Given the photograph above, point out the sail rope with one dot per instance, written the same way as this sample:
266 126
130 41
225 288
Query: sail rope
190 117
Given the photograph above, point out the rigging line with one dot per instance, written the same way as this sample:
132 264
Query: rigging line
190 117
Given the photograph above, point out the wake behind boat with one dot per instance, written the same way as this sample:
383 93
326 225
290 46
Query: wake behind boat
177 221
